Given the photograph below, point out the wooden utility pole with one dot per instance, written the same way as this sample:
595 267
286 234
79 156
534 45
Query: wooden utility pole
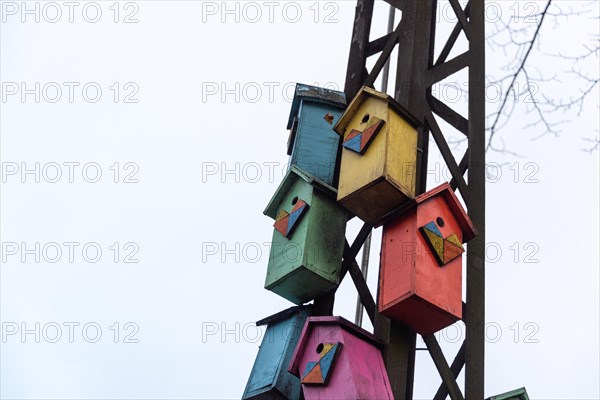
416 73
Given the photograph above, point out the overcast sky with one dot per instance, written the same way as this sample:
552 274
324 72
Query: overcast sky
140 143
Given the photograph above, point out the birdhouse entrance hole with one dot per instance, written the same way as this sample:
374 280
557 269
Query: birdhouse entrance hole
320 347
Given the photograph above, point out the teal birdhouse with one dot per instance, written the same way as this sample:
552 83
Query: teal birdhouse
519 394
269 378
308 238
313 145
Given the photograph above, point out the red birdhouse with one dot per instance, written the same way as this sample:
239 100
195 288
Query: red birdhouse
421 262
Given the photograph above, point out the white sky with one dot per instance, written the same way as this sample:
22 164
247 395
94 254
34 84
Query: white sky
200 92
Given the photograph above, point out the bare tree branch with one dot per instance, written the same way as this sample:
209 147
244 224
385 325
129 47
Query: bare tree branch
594 147
520 69
524 79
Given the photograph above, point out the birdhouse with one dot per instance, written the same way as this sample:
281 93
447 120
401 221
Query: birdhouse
336 359
308 240
519 394
313 144
270 378
421 262
379 153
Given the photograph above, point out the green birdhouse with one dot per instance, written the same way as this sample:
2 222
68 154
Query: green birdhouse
308 239
519 394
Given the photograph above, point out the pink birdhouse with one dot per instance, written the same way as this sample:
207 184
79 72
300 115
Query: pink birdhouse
336 359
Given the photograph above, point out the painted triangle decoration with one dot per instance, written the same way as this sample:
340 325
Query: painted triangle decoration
313 373
358 141
444 249
318 372
285 222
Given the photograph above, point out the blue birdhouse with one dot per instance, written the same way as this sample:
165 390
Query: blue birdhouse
313 144
270 378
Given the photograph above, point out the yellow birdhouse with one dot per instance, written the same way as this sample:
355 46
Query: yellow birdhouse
379 154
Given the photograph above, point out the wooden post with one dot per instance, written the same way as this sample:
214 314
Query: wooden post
475 318
416 73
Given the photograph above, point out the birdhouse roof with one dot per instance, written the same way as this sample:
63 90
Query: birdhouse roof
292 176
342 323
445 190
520 394
283 315
314 93
364 93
